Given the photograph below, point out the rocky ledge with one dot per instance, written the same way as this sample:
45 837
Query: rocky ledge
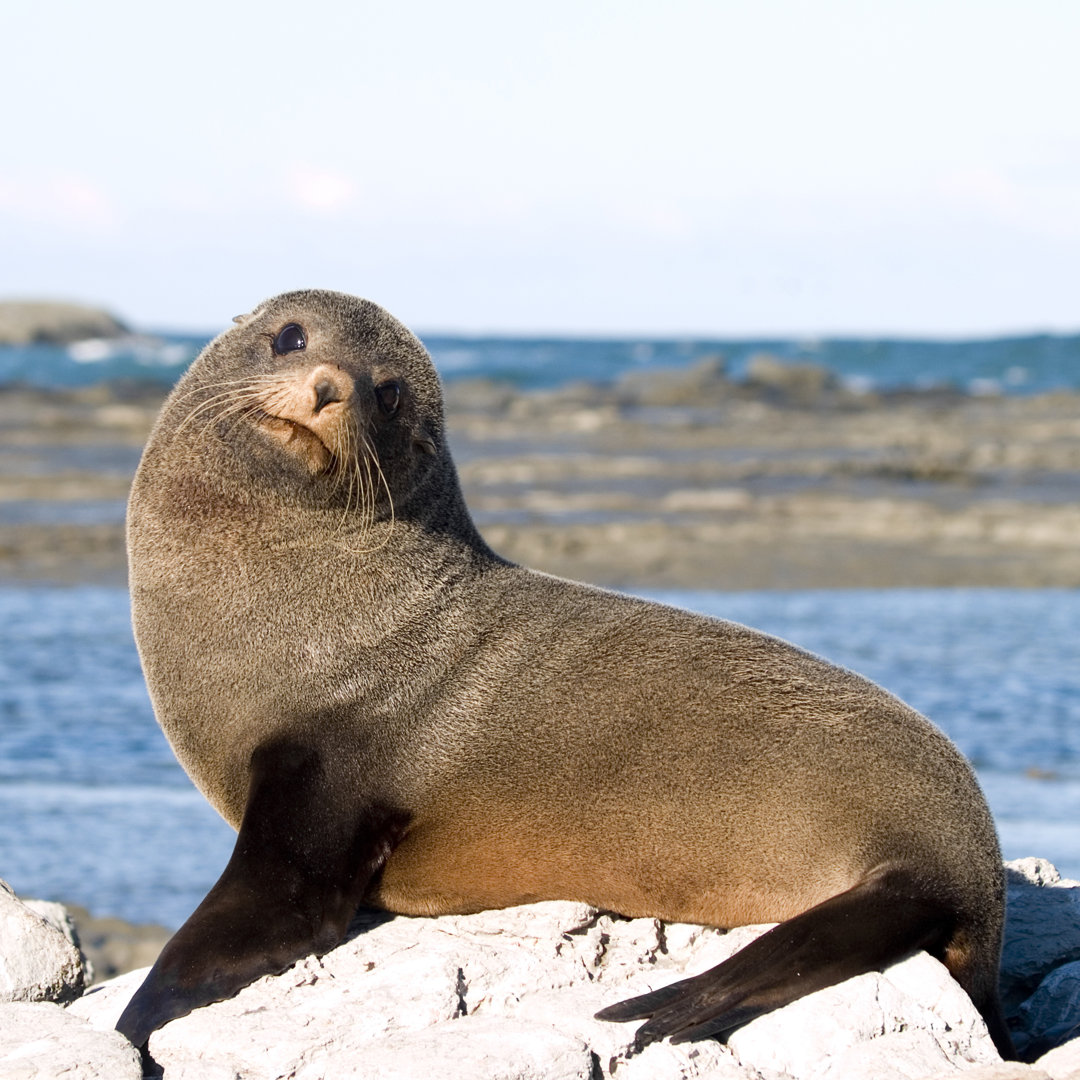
510 995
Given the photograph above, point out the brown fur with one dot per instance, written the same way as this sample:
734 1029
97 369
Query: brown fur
294 574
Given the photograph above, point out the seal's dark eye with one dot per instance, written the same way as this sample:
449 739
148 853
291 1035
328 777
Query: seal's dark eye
389 397
290 338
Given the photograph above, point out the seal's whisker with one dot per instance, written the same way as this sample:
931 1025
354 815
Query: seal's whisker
346 473
360 482
237 412
372 492
357 489
236 408
226 387
372 458
226 401
247 380
363 495
206 406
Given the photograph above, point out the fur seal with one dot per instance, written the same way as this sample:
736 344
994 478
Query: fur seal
390 714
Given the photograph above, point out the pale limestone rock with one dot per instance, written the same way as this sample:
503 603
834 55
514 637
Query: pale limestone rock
1062 1063
42 1041
102 1005
1036 871
38 961
465 1049
511 994
705 1060
57 915
1003 1070
910 1021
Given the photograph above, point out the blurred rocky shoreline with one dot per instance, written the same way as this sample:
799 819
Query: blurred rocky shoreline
687 478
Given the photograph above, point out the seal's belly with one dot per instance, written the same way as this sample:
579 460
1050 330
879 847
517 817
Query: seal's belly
439 871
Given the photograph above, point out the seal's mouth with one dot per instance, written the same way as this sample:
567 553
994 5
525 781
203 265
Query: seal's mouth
309 414
296 439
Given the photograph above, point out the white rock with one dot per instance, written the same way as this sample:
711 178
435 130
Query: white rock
465 1049
59 916
1062 1063
56 915
511 994
102 1005
1038 871
1003 1070
707 1060
910 1021
37 960
42 1041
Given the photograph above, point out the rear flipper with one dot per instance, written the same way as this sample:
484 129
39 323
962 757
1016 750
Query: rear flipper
873 924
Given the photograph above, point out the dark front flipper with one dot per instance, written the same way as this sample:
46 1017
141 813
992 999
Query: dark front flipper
871 925
307 849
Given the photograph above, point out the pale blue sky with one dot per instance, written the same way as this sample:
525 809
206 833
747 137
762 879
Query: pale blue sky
671 167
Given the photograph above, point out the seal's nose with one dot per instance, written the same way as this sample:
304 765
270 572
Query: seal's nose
326 393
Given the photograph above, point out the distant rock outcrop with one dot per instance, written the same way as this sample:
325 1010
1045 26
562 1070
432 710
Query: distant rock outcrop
788 383
28 322
702 383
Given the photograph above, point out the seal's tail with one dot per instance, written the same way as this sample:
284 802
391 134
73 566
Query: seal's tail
882 919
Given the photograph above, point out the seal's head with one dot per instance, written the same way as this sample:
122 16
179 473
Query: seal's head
317 396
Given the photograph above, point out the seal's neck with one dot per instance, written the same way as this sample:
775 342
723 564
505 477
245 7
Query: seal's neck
436 506
428 534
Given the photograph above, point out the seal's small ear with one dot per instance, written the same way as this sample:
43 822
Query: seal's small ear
424 444
241 319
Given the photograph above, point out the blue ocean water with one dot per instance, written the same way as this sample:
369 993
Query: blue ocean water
95 810
1005 365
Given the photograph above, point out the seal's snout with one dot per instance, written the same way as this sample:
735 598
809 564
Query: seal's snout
328 386
307 412
325 394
